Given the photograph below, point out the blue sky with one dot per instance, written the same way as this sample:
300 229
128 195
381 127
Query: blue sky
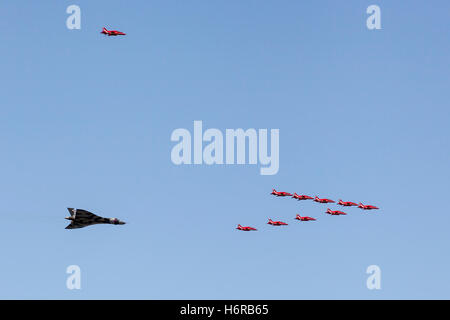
85 122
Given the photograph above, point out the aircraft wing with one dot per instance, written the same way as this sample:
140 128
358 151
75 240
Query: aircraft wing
75 225
82 214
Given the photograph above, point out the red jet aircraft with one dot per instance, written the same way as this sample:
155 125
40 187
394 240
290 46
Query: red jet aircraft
324 200
346 203
277 223
335 212
366 207
299 217
239 227
280 193
112 32
301 197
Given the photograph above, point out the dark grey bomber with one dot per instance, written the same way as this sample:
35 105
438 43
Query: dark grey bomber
81 218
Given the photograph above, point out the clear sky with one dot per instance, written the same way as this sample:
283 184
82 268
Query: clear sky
86 120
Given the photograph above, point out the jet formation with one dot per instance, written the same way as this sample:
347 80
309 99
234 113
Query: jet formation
301 197
80 218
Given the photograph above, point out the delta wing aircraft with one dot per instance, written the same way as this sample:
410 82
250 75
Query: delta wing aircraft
80 218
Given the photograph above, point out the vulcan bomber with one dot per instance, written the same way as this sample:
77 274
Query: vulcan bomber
80 218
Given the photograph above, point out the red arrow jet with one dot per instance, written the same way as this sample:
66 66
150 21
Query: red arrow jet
301 197
366 207
346 203
280 193
299 217
112 32
239 227
324 200
277 223
335 212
